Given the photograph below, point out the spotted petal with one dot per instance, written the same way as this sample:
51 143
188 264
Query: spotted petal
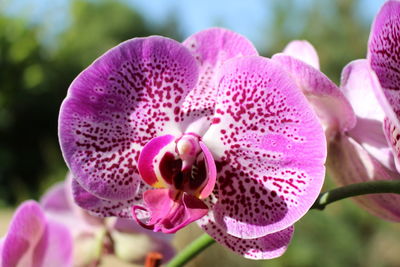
266 247
32 240
211 48
384 57
269 149
303 51
124 99
328 101
104 207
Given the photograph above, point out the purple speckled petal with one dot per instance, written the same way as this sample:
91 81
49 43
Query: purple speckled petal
32 238
166 213
128 96
211 48
328 101
348 162
269 149
266 247
384 57
303 51
104 207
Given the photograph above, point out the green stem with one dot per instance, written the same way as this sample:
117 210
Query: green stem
353 190
191 251
324 199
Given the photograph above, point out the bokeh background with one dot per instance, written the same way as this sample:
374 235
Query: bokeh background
44 44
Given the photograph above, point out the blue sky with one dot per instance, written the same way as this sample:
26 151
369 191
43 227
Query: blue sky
246 17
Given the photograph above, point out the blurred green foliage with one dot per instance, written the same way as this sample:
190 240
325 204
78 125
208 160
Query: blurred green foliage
335 28
34 80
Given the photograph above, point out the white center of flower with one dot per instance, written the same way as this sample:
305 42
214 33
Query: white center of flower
188 148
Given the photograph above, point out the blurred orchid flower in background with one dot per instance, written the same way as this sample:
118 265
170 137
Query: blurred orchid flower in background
207 131
372 86
35 240
95 237
300 60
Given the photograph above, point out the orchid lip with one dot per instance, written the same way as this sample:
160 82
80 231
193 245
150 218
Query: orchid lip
180 164
184 172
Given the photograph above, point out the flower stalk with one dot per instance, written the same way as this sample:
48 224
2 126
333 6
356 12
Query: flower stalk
192 250
353 190
324 199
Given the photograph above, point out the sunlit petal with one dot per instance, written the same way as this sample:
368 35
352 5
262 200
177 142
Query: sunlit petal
269 149
328 101
128 96
303 51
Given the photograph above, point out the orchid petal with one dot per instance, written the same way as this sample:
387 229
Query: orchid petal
56 199
32 238
59 246
128 96
383 55
265 247
268 146
59 206
392 134
211 48
27 227
211 172
147 157
304 51
358 87
328 101
103 207
348 162
167 214
369 134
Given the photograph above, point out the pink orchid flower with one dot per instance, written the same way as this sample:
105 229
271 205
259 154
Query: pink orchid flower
363 153
95 237
34 240
208 131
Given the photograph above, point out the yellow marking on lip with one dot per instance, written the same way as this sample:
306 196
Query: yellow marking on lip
160 182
